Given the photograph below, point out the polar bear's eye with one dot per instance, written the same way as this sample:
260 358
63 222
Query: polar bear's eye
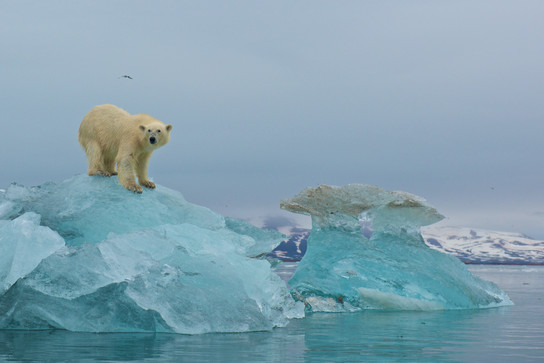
158 130
148 130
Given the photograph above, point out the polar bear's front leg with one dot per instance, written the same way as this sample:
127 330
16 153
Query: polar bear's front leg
141 171
125 168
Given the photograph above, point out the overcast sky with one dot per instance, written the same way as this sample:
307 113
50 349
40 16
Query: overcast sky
443 99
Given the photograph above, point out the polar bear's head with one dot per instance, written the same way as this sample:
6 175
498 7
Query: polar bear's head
156 133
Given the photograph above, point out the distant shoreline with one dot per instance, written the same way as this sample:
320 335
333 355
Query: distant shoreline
466 263
504 263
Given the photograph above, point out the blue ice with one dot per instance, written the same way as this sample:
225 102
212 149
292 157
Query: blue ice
88 255
343 270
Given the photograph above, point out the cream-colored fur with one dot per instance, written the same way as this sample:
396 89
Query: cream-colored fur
111 136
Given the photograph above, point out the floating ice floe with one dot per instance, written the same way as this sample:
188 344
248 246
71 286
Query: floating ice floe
88 255
343 270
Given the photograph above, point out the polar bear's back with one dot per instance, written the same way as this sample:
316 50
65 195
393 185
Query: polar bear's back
106 118
111 111
104 124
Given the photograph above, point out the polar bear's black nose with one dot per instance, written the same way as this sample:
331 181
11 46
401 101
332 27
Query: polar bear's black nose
152 140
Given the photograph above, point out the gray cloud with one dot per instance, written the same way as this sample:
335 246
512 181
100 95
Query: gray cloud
439 99
275 222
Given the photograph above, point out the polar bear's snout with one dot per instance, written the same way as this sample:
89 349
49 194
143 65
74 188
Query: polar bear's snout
153 137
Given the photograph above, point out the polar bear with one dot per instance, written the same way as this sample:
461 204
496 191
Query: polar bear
111 136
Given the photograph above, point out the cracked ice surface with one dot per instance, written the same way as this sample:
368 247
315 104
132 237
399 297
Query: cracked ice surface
87 255
343 270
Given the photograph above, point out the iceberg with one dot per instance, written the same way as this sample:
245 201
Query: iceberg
88 255
343 270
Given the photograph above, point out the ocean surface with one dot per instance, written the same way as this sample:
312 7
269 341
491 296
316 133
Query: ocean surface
507 334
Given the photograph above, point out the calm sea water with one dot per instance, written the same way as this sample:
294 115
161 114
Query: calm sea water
508 334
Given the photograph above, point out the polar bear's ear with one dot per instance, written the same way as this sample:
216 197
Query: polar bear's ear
142 127
168 128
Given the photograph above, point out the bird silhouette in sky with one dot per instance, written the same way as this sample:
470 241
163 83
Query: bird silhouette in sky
126 76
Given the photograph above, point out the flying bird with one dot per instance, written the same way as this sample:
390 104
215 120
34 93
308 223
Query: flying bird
126 76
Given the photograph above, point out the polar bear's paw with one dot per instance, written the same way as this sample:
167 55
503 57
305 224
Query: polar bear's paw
147 184
134 188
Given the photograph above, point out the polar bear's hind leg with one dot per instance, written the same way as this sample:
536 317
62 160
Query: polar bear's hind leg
109 164
95 159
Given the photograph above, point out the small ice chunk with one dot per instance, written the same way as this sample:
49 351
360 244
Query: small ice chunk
264 240
24 244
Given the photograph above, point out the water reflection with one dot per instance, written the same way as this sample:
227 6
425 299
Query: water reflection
332 337
421 336
67 346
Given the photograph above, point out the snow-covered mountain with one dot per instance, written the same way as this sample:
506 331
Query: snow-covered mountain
468 244
294 248
481 246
